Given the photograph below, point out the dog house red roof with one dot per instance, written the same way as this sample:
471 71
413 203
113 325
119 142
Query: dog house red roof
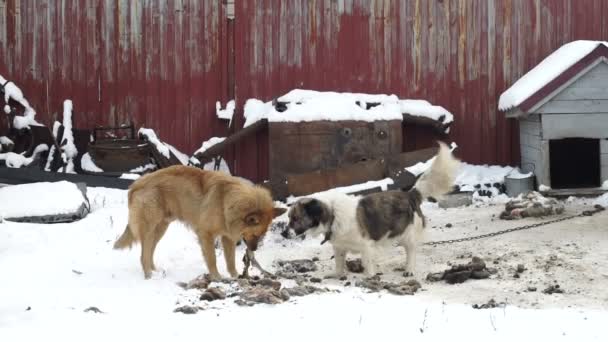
551 75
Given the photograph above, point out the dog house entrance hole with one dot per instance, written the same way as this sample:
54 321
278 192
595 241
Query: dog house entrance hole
574 163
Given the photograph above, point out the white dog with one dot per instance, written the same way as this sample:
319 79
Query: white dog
362 224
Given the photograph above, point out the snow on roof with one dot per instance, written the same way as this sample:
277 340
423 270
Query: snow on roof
310 105
546 71
426 109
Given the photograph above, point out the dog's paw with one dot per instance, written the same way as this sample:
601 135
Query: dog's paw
159 273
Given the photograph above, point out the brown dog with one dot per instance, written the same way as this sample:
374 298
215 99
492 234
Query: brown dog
212 203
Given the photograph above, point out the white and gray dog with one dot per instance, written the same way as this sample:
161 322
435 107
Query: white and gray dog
362 224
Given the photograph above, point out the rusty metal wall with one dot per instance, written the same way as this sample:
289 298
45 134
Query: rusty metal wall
460 54
160 63
164 63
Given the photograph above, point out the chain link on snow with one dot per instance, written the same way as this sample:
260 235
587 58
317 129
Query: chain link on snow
596 210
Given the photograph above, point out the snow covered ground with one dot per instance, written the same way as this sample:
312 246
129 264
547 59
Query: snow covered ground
52 273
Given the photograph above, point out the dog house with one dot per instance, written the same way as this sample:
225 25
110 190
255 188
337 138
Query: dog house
562 108
320 140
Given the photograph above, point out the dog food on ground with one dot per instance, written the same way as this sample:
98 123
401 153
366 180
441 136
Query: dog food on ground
531 204
297 266
355 266
374 284
213 293
489 305
553 289
476 269
188 309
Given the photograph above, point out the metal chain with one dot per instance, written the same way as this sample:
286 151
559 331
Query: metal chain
529 226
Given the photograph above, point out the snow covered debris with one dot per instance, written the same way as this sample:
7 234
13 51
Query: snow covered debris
11 91
87 163
207 144
227 113
132 176
56 126
424 109
144 168
546 71
15 160
182 157
153 139
40 199
67 142
5 141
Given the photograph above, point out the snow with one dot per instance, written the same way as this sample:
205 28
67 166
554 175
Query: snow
15 160
11 91
87 163
605 185
210 166
424 109
227 113
324 106
602 200
544 187
517 174
310 105
130 176
56 126
207 144
469 175
546 71
153 139
144 168
67 141
6 141
182 157
57 271
39 199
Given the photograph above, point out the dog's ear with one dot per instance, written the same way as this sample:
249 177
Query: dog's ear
252 219
276 212
313 208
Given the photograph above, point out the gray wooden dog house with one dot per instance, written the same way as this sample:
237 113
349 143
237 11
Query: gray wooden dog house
564 125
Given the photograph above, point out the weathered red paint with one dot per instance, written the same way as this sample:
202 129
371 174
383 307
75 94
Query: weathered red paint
164 63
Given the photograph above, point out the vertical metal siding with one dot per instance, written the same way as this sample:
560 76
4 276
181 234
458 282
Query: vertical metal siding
156 62
460 54
164 63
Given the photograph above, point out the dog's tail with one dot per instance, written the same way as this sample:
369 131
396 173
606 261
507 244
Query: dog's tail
439 178
125 240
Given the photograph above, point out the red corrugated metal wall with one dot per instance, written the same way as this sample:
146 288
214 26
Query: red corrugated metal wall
460 54
165 63
160 63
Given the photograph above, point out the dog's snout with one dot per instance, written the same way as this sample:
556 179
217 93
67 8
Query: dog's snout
252 243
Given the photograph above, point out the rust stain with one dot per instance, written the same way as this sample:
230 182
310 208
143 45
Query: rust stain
153 58
462 39
417 42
